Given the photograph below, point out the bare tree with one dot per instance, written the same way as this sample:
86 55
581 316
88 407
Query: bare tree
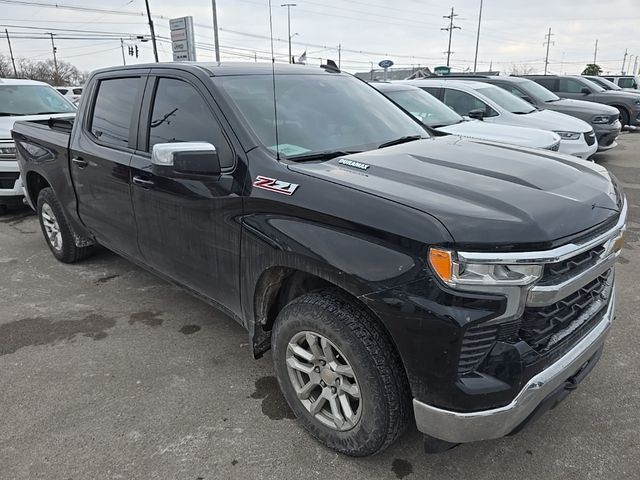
521 69
43 71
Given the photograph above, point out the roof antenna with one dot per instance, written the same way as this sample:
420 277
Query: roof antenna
273 77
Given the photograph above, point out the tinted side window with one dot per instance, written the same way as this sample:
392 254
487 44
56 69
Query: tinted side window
548 83
63 91
180 114
627 83
435 91
113 109
77 91
569 85
517 92
463 103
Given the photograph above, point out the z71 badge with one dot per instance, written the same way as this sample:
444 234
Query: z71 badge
274 185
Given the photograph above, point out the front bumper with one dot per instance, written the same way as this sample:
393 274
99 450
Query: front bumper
578 148
461 427
607 135
11 188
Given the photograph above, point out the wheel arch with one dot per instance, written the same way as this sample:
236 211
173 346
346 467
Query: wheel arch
34 184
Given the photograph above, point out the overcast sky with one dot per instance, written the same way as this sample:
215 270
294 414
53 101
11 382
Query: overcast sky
405 31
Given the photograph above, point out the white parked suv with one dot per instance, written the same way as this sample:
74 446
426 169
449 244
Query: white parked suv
23 100
495 105
71 93
433 113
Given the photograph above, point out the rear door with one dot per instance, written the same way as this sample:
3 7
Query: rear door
188 226
100 156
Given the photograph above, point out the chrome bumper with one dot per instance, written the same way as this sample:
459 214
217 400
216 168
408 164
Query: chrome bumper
457 427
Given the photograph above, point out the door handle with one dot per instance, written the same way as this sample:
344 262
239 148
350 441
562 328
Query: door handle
142 182
80 162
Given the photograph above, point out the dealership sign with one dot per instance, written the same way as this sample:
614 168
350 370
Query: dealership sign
183 43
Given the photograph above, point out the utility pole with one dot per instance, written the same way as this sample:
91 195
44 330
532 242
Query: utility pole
153 32
547 42
450 29
595 53
289 5
215 30
124 62
13 61
55 61
624 60
635 66
475 59
339 54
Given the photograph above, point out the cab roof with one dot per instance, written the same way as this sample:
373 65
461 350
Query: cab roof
230 68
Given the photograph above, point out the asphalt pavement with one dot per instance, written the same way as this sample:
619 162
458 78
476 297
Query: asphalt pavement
107 372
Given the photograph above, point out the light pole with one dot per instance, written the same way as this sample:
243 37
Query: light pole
289 5
475 59
215 30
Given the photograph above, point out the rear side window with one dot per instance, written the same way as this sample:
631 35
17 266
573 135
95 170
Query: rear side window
113 110
548 83
180 114
63 91
435 91
463 103
77 91
569 85
627 83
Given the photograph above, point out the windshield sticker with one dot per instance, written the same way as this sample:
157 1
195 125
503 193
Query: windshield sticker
351 163
288 149
274 185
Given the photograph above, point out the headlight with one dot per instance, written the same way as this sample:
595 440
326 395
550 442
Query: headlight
600 119
454 273
7 150
569 135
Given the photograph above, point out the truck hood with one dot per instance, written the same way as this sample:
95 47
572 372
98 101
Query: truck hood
624 96
522 136
6 123
581 108
487 195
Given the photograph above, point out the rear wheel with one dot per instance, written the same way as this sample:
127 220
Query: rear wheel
340 374
57 231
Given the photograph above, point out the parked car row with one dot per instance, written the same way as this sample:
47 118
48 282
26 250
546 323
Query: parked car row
398 271
72 93
22 100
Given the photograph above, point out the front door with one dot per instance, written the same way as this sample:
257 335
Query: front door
188 226
100 157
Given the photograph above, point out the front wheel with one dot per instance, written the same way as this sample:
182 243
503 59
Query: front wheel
56 230
340 374
624 116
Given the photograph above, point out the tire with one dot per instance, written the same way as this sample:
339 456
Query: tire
352 337
624 116
56 230
3 209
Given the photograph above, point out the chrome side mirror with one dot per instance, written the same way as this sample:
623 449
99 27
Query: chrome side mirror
196 158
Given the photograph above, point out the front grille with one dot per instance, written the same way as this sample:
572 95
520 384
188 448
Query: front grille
8 179
479 339
590 138
555 147
555 273
541 325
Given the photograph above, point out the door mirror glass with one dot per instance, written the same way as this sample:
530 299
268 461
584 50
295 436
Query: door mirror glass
476 114
188 158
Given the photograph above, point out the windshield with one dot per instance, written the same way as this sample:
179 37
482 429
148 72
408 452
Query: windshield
17 100
505 99
604 83
424 107
593 85
316 113
535 90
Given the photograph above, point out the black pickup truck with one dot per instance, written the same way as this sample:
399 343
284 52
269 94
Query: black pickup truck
393 274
